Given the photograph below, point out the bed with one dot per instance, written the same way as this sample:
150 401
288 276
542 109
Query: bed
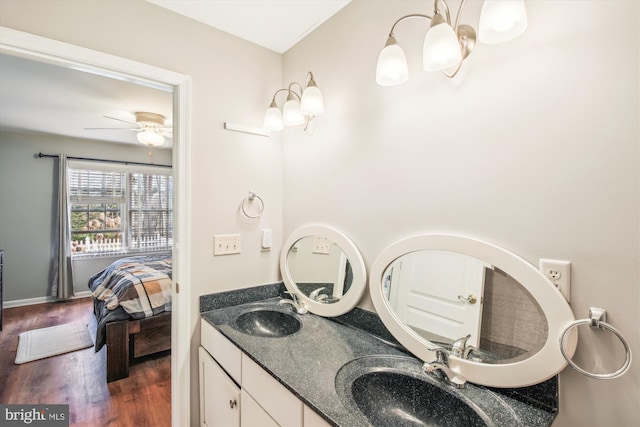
132 304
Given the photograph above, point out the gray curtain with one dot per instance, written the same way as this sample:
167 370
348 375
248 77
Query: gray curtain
62 281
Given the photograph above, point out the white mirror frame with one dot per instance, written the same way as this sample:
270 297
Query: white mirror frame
358 286
539 367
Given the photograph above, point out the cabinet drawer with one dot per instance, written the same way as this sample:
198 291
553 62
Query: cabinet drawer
224 351
312 419
252 414
282 405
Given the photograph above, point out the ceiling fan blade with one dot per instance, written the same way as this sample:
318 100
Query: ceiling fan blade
120 120
110 128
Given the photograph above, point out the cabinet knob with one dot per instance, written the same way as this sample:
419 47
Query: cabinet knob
233 403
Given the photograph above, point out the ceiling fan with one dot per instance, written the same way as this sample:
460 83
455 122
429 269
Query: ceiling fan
150 127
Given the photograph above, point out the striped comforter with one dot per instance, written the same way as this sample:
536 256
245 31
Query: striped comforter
141 285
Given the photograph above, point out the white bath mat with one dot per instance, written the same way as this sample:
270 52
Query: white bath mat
47 342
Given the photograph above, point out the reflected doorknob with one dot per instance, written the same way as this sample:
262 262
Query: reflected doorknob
471 299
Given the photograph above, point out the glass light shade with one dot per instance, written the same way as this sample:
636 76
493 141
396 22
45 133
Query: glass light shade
501 20
441 49
292 114
392 69
312 103
150 137
273 119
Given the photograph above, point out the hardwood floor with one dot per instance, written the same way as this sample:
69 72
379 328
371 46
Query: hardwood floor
79 378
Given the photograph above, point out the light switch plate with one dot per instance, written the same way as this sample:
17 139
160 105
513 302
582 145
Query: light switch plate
226 244
267 238
321 245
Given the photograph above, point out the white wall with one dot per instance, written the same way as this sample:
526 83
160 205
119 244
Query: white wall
232 80
534 147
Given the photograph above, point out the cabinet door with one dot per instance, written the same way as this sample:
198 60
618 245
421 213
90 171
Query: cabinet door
219 395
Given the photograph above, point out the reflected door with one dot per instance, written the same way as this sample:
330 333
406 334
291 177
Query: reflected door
439 295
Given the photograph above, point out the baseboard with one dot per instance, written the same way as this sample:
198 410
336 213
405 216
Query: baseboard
40 300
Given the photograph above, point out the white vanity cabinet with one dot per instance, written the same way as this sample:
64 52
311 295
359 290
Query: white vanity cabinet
236 391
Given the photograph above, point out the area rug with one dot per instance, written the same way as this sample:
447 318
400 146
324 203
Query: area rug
46 342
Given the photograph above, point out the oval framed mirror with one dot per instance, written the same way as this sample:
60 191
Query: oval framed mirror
324 268
432 290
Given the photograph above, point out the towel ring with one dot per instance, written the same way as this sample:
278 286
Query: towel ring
596 320
247 200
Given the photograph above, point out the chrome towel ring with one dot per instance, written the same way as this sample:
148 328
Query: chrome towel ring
597 317
246 202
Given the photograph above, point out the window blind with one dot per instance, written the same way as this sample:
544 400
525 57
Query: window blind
94 186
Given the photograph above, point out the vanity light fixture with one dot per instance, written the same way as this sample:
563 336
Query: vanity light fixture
299 108
446 46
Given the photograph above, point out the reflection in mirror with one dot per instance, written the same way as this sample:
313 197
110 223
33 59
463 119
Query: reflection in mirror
444 296
518 316
324 268
320 269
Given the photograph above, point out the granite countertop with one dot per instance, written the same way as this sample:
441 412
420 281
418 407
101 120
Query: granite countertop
308 361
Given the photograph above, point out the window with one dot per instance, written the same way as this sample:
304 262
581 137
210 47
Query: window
117 208
150 213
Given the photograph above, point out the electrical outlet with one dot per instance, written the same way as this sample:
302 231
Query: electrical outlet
559 272
226 244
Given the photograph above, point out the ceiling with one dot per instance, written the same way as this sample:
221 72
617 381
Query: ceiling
274 24
44 98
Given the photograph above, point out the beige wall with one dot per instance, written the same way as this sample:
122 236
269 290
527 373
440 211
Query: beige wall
232 80
534 147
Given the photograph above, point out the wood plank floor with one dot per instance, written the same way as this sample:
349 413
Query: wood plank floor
79 378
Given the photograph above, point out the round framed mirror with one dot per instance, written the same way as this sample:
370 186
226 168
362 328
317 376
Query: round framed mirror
324 268
432 291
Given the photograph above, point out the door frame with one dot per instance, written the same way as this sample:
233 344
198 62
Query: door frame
42 49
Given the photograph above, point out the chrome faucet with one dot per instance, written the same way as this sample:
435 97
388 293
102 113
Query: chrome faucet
316 296
442 364
298 306
461 349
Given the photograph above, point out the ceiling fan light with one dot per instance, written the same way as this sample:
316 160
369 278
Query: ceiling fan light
144 118
502 20
150 138
392 68
441 49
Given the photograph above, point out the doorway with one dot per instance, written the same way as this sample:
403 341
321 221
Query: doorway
42 49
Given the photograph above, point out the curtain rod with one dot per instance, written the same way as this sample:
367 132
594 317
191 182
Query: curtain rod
40 155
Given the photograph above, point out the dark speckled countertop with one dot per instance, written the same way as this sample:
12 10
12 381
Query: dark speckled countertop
308 361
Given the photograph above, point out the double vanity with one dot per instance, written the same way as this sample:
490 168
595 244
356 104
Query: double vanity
300 353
